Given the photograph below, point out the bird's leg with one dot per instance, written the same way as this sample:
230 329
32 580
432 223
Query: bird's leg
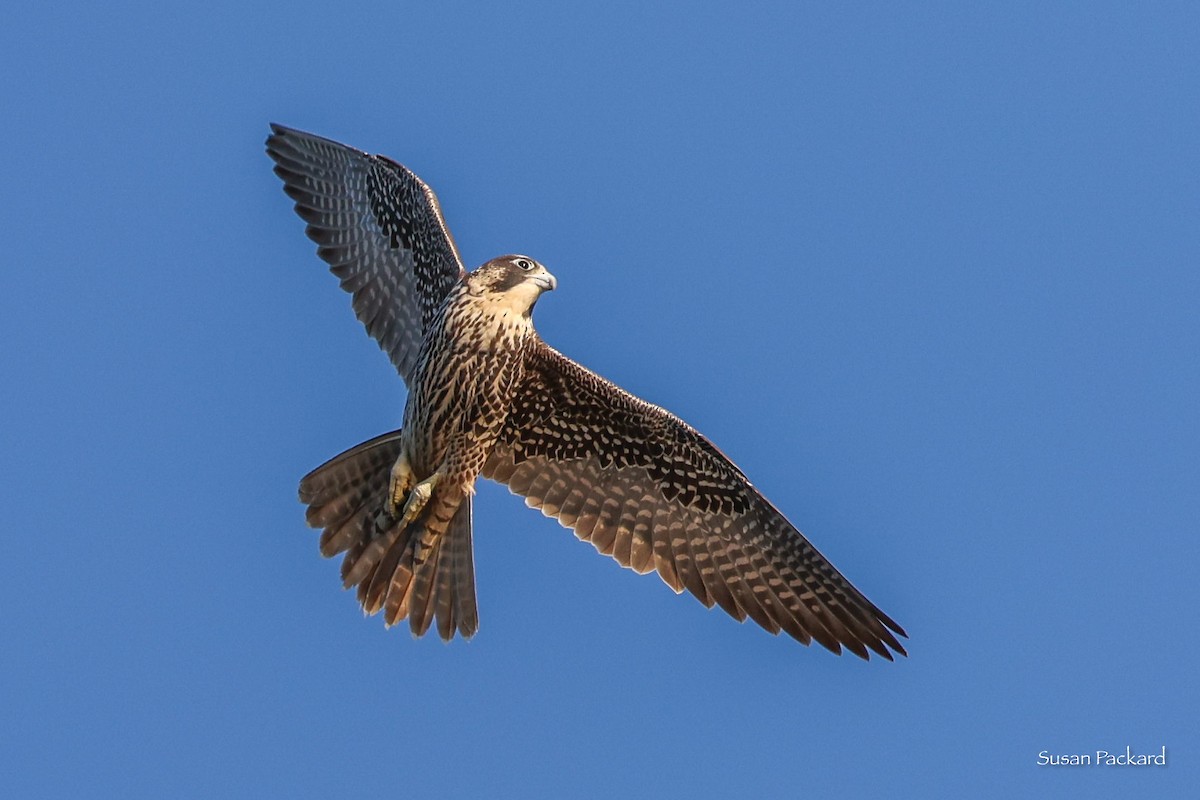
406 501
399 485
418 497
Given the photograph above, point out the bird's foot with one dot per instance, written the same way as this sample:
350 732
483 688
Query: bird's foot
418 497
398 487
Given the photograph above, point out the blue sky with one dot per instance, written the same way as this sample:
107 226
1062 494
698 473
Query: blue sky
929 275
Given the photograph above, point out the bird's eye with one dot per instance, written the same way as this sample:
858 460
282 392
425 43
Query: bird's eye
525 264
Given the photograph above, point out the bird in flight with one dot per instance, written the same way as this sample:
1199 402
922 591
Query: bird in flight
486 396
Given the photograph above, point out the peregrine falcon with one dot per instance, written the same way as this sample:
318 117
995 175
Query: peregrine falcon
486 396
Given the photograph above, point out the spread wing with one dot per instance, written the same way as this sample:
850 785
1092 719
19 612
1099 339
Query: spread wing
380 229
647 489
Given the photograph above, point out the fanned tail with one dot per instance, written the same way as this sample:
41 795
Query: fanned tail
422 571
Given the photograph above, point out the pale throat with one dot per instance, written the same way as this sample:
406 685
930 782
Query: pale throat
514 304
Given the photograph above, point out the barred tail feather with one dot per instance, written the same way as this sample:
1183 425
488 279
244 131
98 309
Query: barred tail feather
435 578
424 571
460 585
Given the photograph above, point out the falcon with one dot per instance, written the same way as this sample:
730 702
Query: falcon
486 396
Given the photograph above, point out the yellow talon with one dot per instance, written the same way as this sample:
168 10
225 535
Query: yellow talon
418 497
401 482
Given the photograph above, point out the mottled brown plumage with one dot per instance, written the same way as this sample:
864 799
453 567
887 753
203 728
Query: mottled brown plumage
488 397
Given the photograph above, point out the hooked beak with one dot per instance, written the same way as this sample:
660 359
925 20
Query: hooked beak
547 281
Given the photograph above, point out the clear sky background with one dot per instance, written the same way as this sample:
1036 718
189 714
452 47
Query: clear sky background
927 274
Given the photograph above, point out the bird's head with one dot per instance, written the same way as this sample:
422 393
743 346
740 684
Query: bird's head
515 281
